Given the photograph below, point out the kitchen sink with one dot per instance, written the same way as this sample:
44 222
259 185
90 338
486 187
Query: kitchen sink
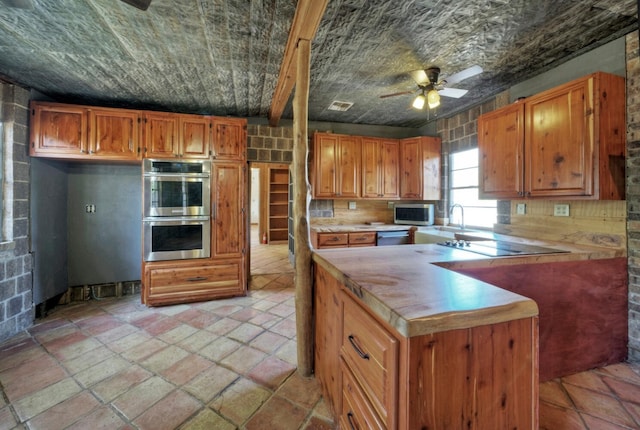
437 234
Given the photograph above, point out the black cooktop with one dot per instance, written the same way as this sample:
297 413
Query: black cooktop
499 248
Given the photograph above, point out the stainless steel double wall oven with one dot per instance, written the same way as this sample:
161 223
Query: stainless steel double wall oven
177 209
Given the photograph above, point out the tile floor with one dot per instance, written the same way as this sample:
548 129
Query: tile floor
228 364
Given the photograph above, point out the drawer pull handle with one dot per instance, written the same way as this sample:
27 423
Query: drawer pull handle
197 278
361 353
350 419
335 239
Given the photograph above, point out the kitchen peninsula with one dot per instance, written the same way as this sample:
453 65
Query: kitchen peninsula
419 345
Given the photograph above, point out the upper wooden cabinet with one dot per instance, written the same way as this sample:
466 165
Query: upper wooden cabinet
160 135
114 133
337 166
194 136
420 168
380 168
566 142
58 131
229 139
85 132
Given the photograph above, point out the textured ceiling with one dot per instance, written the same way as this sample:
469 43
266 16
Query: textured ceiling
223 57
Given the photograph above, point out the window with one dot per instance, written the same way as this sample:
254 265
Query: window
464 191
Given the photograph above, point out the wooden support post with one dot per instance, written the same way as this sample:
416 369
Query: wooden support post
302 251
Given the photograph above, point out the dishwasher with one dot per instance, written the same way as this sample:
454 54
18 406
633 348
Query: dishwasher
392 237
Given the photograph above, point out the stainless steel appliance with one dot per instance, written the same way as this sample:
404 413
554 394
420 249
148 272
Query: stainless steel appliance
499 248
413 213
167 238
176 221
176 188
392 238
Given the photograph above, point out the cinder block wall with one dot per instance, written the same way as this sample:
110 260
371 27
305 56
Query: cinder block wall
269 144
16 300
633 192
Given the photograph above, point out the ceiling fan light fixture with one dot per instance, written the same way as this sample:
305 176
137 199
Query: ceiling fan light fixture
433 99
418 102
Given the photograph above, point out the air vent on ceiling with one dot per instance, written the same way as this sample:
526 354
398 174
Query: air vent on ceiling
340 106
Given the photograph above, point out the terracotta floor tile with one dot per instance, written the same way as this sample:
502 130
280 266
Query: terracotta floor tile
144 350
211 383
277 413
169 412
268 342
226 310
76 349
553 392
624 389
300 390
623 371
31 376
102 370
207 420
141 397
600 424
223 326
32 405
243 359
240 400
7 420
129 341
101 418
246 314
220 348
89 359
164 358
161 326
197 341
66 413
288 352
271 372
590 380
110 388
186 369
117 333
554 417
73 336
285 328
282 310
18 353
316 423
245 332
599 405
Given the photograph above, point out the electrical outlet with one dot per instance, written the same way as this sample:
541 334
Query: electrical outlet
521 208
560 210
352 205
390 205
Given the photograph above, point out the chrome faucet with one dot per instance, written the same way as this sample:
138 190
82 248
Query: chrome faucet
455 205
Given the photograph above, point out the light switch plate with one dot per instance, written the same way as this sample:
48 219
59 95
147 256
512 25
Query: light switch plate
560 210
521 208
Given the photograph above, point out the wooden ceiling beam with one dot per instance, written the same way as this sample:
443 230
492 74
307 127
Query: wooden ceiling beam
304 27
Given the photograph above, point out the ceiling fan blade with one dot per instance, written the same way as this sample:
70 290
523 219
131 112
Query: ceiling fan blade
140 4
396 94
464 74
455 93
18 4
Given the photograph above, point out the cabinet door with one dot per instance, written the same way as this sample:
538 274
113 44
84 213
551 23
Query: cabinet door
380 168
500 146
114 134
229 139
228 209
559 141
58 130
195 136
160 135
349 159
325 157
410 169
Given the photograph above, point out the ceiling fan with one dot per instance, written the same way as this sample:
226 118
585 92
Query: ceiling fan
27 4
430 88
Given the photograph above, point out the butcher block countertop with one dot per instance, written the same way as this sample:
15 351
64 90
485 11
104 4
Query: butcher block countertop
416 290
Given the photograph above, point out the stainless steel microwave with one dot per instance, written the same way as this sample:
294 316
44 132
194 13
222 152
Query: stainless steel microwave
413 213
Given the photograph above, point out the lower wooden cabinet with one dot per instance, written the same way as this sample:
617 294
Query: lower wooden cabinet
372 377
191 281
343 240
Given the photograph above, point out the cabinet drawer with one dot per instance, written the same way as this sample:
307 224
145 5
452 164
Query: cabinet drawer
333 239
371 353
367 238
167 284
357 412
